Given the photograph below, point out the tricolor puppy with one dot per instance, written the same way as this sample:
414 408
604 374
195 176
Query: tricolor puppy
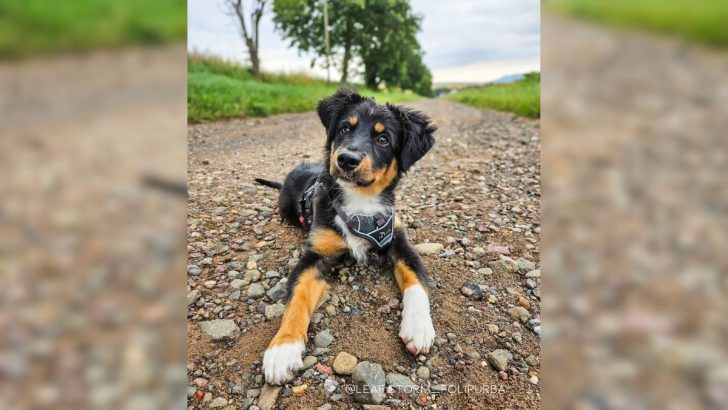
346 205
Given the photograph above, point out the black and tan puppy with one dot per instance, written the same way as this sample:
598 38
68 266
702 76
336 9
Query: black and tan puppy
347 206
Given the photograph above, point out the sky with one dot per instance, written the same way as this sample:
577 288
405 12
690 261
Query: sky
464 40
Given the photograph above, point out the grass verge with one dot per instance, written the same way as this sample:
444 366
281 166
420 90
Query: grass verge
522 97
701 21
217 89
30 27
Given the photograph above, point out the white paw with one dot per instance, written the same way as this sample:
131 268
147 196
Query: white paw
280 361
416 329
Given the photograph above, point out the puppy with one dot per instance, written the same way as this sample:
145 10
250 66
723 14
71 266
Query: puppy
346 204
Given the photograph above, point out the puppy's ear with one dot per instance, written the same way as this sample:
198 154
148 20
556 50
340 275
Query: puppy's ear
329 107
417 130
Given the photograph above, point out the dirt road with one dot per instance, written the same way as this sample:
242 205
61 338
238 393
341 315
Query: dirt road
477 194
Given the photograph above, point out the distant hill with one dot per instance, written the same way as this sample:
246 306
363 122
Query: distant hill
508 79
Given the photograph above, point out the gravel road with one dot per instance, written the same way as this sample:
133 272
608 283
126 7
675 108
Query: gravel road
476 195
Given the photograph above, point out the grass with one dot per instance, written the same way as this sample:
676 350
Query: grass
521 97
701 21
218 89
30 27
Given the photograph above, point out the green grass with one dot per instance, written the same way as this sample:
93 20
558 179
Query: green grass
217 89
701 21
521 97
30 27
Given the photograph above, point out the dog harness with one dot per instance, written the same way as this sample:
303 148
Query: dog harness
378 229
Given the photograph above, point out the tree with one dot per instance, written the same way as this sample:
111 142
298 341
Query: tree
251 37
302 22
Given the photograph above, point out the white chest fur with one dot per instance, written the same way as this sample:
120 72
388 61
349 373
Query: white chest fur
357 204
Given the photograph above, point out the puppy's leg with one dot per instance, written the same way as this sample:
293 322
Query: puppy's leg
283 355
415 330
306 287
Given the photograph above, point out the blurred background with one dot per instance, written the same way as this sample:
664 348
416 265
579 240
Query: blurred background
92 208
262 57
634 204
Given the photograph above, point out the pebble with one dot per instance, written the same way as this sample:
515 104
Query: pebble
268 396
323 339
423 373
325 406
429 248
331 310
345 363
485 271
309 361
401 383
299 390
237 283
503 265
235 295
524 302
517 337
275 310
447 254
533 379
525 266
194 270
471 290
531 284
252 393
492 329
323 369
519 313
252 275
369 383
221 329
193 296
503 250
278 291
536 273
210 284
499 359
201 382
532 360
330 385
251 265
219 402
255 291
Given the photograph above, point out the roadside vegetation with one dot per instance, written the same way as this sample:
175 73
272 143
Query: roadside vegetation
701 21
522 97
219 89
32 27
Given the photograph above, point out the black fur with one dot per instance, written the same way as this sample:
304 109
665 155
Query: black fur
272 184
409 136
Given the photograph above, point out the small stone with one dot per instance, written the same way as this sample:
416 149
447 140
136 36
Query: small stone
237 283
316 317
524 302
330 385
219 402
447 254
194 270
323 338
525 266
221 329
465 241
485 271
429 248
519 313
331 310
210 284
309 361
401 383
517 337
492 299
235 295
252 275
536 273
423 373
532 360
531 284
201 382
533 379
299 390
251 265
471 290
325 406
268 396
499 359
278 291
504 265
345 363
255 291
503 250
252 393
369 382
275 310
323 369
193 296
492 329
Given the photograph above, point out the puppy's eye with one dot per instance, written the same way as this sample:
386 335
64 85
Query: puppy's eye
345 129
383 140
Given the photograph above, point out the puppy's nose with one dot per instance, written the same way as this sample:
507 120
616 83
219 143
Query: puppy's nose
348 160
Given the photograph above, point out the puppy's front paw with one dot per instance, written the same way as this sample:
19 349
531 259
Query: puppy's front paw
280 361
416 329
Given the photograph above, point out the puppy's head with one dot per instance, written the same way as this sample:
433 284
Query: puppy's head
368 145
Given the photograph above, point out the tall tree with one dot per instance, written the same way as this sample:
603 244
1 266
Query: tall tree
302 22
249 30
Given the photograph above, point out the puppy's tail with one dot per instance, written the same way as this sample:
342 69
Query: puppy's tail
272 184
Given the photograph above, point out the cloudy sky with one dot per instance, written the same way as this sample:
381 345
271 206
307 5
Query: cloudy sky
464 40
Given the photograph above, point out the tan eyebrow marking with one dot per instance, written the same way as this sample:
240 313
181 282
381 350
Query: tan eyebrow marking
379 128
353 121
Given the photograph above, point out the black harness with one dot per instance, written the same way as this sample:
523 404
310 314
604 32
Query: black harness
378 229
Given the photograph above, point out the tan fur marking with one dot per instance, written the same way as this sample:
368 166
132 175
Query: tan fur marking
327 242
397 222
353 121
379 128
404 275
381 178
332 160
305 299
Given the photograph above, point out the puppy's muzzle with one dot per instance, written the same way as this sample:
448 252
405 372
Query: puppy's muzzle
348 161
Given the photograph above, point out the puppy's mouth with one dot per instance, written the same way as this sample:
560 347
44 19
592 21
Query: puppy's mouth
351 179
